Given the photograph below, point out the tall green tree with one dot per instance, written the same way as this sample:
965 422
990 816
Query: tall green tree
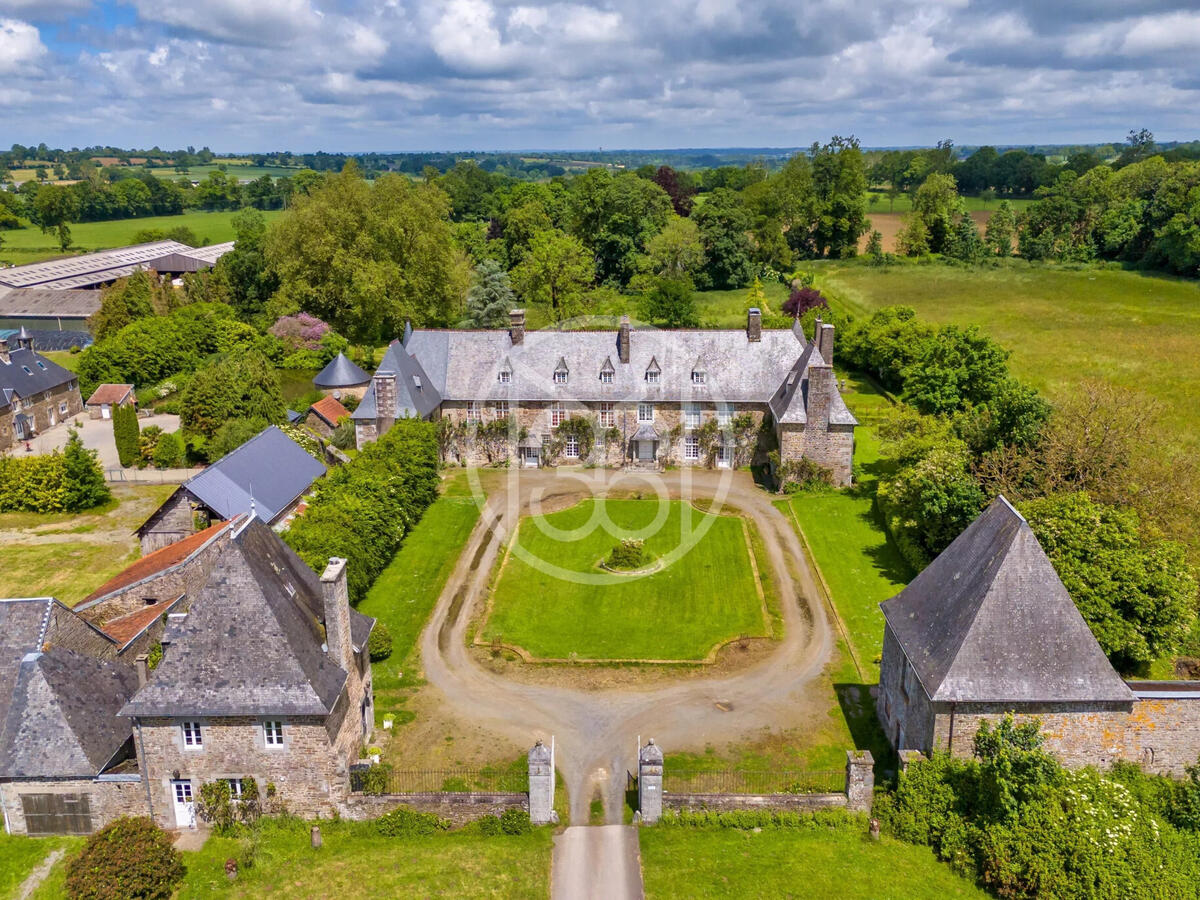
1001 228
676 252
125 434
238 386
839 175
724 224
556 271
491 297
670 303
83 480
366 257
243 271
124 301
615 216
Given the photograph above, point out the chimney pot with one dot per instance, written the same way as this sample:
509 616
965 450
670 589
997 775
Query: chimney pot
143 669
516 329
336 596
623 339
754 324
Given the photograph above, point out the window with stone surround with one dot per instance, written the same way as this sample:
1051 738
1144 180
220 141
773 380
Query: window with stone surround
691 447
608 418
62 408
474 411
501 409
724 414
235 789
193 736
571 447
558 414
691 415
273 733
645 412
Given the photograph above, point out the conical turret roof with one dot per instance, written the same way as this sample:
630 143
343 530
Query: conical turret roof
341 372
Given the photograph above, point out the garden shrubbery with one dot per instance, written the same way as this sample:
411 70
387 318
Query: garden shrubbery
405 822
1026 827
129 859
69 481
627 554
749 819
362 511
379 644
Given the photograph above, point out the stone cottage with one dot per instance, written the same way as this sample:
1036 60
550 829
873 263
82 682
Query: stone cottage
649 394
989 629
270 472
264 673
108 397
35 393
341 378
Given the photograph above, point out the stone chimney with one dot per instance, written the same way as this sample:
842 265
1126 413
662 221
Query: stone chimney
336 595
24 340
820 391
384 383
754 324
817 332
825 343
5 356
143 669
516 326
623 340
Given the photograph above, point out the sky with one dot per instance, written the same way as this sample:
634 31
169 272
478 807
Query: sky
338 75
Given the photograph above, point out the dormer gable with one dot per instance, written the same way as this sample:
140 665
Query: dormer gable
606 371
653 371
561 372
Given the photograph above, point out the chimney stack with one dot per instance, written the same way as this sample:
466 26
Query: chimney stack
516 326
817 331
623 340
384 383
754 324
24 340
825 343
143 669
336 594
5 357
820 397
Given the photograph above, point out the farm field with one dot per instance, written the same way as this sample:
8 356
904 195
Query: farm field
903 203
1134 330
26 245
69 555
702 598
815 862
234 170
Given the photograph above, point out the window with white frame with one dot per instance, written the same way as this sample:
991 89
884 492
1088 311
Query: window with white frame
652 376
608 418
505 376
558 414
697 376
62 408
645 412
724 414
474 411
560 376
571 447
691 415
235 789
606 377
193 736
501 409
273 733
691 447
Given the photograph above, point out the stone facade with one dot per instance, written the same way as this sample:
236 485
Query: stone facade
108 798
731 802
47 409
171 522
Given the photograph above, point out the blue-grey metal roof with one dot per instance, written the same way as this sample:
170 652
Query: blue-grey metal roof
270 468
341 372
28 373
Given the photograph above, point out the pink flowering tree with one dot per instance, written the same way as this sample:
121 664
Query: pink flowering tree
300 332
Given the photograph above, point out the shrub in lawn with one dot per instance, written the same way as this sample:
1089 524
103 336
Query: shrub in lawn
627 554
515 821
376 779
379 644
126 434
168 452
129 859
405 822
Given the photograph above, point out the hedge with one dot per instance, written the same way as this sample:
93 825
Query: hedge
56 482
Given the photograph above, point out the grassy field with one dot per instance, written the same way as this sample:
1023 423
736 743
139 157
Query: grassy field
19 856
707 595
69 555
1134 330
903 203
405 593
26 245
813 863
233 170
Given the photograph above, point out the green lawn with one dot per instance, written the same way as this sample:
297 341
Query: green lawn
903 203
679 612
19 856
406 591
25 245
816 863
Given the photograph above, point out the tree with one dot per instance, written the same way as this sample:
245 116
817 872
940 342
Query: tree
238 386
839 176
125 434
121 303
243 271
615 216
937 204
676 252
874 248
676 188
1001 226
168 452
82 476
491 297
965 243
670 303
367 257
128 858
556 271
53 207
803 298
724 224
954 369
756 297
1137 595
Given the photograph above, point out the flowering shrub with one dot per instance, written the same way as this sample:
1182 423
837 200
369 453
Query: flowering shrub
300 331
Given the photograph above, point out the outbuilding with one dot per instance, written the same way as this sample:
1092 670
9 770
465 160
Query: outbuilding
108 397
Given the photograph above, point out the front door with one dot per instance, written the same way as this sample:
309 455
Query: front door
53 420
105 412
531 457
185 806
646 451
724 456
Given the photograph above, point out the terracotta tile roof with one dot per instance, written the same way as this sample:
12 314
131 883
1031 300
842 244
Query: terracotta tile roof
153 563
109 393
127 627
329 409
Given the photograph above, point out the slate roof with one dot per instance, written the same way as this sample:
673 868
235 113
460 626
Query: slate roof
271 468
251 643
989 620
125 628
30 373
57 708
330 410
111 394
341 372
47 303
462 365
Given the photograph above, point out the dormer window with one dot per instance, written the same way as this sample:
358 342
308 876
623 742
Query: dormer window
606 372
697 376
505 376
560 372
652 371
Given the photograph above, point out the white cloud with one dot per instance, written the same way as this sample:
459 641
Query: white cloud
254 22
20 45
465 36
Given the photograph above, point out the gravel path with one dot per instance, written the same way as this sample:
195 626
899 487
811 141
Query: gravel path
596 863
597 731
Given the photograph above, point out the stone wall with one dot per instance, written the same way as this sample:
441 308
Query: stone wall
459 808
309 778
729 802
60 405
108 799
904 709
171 522
66 629
831 446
